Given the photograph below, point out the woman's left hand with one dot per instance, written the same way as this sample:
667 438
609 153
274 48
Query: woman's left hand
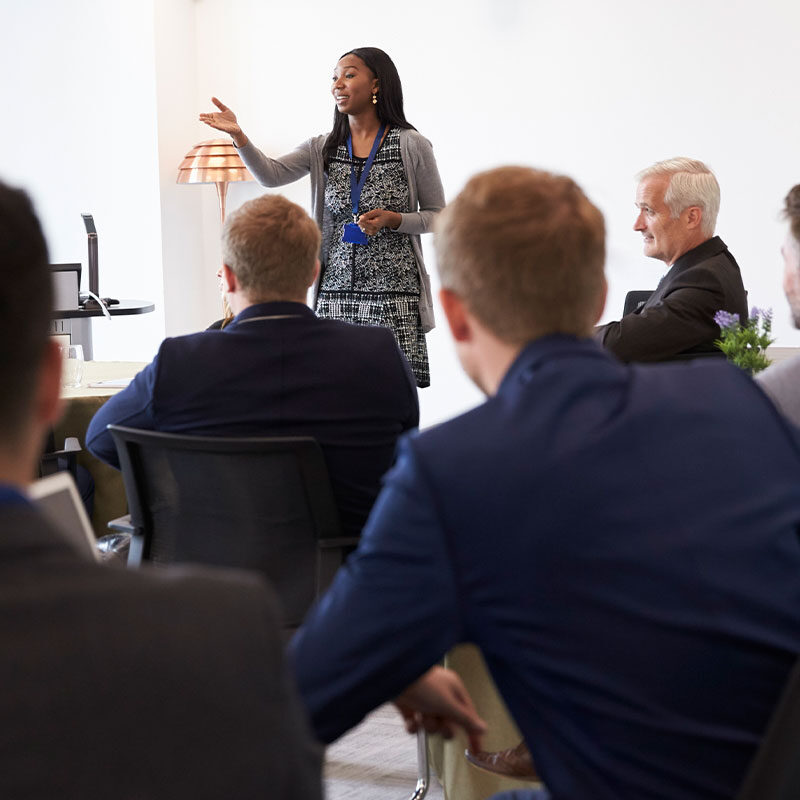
374 220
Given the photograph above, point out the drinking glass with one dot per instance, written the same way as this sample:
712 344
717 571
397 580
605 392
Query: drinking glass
72 367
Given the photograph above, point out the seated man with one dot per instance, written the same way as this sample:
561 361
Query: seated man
276 369
121 684
678 201
621 542
782 381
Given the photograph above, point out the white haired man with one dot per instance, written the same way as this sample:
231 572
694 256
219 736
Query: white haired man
678 201
781 381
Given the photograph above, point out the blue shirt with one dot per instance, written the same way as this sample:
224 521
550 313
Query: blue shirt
11 496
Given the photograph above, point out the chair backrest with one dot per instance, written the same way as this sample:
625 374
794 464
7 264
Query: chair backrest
259 502
635 299
774 773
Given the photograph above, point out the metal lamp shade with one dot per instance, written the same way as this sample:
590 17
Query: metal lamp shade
215 161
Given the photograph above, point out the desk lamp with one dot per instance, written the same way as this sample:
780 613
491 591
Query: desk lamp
214 161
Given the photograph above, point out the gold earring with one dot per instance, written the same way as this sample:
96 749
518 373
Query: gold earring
374 99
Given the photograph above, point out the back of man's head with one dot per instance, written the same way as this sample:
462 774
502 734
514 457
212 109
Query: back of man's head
271 245
524 249
691 183
25 307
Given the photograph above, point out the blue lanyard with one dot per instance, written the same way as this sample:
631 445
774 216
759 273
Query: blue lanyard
357 186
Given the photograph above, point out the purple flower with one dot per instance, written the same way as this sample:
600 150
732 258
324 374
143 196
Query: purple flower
765 314
726 320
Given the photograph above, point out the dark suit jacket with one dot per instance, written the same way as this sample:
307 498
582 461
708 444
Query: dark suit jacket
134 685
621 543
279 370
678 318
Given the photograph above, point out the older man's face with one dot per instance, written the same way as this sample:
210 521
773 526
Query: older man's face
663 236
791 274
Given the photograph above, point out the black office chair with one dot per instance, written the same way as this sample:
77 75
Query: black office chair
259 503
52 460
635 299
774 773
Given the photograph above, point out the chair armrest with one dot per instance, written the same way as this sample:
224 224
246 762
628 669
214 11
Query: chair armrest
123 525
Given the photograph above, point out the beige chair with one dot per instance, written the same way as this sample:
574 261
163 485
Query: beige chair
460 780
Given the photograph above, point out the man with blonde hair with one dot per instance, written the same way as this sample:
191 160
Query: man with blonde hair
678 202
619 541
277 369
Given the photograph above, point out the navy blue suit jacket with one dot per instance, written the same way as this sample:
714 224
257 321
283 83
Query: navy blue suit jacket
622 544
279 370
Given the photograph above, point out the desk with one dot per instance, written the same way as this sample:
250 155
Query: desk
80 405
77 323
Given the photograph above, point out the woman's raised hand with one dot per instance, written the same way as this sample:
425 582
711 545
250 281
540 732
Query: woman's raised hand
223 120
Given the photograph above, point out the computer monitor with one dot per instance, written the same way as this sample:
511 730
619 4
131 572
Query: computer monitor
66 286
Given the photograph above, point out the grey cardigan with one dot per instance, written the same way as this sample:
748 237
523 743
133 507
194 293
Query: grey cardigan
424 189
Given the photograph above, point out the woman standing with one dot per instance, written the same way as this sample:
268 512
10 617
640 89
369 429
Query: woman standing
374 189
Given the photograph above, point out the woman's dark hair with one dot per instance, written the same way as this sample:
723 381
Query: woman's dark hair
390 98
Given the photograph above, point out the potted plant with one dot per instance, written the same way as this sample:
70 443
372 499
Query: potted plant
745 344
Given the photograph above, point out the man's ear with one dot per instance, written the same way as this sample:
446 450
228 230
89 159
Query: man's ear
457 315
48 403
229 279
694 216
315 274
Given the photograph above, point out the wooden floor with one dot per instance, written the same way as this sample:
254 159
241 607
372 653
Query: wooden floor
375 761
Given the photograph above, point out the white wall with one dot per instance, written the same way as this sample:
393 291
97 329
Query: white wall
79 133
596 90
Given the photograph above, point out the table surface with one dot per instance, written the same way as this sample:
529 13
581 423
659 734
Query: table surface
80 405
97 371
778 354
121 309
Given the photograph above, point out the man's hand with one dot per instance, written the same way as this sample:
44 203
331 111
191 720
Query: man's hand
439 703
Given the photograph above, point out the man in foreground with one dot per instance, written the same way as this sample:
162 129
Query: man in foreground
168 683
121 684
276 369
782 381
678 201
620 542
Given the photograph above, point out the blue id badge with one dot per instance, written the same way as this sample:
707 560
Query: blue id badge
354 235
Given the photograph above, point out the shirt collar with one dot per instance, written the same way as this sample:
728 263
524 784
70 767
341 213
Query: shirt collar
278 308
12 496
708 249
540 351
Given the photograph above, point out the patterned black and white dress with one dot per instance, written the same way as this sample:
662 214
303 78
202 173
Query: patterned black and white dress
376 283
